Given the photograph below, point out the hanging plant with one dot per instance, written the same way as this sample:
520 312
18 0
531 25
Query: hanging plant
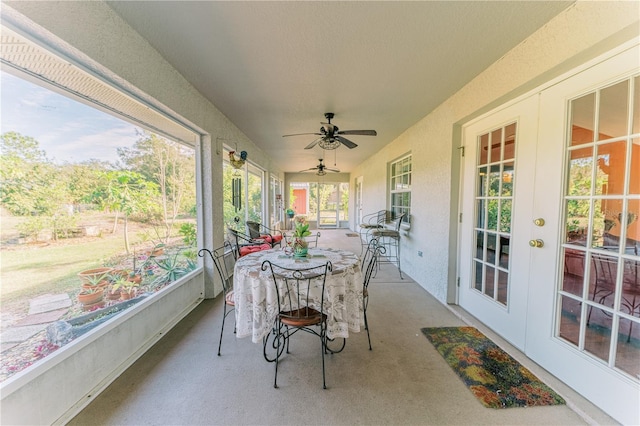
237 163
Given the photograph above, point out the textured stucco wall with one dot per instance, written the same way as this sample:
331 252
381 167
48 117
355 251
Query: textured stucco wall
583 31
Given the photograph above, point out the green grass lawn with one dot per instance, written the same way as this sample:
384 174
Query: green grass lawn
32 270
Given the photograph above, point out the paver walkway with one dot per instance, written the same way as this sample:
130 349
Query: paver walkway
43 310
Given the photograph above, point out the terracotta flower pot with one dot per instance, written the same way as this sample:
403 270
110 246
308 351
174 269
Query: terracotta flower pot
91 275
91 298
126 295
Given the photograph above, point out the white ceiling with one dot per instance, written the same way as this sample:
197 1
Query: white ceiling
275 68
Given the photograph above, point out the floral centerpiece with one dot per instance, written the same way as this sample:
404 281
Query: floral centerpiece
298 243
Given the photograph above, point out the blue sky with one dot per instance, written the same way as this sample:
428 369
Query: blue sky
68 131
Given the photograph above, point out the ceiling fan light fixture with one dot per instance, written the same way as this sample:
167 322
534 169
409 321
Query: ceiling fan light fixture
328 144
321 173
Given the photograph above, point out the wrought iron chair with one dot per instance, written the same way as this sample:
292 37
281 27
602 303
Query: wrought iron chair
294 289
374 250
369 223
224 258
259 231
390 239
243 244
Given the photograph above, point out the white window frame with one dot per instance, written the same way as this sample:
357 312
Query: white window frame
399 173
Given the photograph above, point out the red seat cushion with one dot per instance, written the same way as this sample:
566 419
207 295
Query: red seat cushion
245 250
268 238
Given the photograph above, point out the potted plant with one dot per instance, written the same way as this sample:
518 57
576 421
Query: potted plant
90 297
126 288
98 277
95 275
298 243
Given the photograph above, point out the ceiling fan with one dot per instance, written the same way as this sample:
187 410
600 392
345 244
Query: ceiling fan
321 169
331 137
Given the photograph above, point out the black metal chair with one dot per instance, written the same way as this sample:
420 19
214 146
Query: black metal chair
259 231
294 288
224 258
369 223
390 239
243 244
374 250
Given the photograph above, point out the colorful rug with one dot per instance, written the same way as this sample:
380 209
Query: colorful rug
492 375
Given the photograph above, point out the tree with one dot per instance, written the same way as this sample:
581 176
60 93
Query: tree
25 175
125 192
171 166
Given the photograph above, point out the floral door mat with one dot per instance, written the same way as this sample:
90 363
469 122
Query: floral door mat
492 375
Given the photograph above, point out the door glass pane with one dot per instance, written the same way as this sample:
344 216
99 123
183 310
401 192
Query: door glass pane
507 179
628 353
570 315
611 157
503 282
582 119
482 182
598 338
573 278
614 103
634 181
509 142
479 245
602 279
602 205
484 149
633 227
488 288
577 212
505 216
480 214
477 283
636 105
580 172
494 192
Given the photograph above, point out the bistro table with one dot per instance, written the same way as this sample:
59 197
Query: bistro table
256 305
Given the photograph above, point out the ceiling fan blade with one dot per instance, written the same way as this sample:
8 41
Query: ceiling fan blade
300 134
312 144
358 132
332 170
308 170
346 142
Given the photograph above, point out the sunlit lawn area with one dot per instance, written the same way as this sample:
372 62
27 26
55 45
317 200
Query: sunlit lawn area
29 270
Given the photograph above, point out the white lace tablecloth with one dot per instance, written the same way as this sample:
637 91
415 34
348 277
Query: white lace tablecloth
255 296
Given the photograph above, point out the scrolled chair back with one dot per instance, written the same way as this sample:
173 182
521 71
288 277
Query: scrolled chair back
300 292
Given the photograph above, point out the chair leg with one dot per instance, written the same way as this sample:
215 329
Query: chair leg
398 253
224 317
366 323
275 380
323 336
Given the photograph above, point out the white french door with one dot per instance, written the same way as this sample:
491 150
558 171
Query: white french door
499 166
556 178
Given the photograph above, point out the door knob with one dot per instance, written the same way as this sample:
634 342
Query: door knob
539 221
536 243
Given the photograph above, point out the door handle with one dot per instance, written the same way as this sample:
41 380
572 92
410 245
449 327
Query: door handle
536 243
539 222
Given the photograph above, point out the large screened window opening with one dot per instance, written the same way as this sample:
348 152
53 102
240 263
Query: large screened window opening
98 213
400 187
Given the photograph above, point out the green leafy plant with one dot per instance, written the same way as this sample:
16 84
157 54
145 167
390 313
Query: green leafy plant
188 232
